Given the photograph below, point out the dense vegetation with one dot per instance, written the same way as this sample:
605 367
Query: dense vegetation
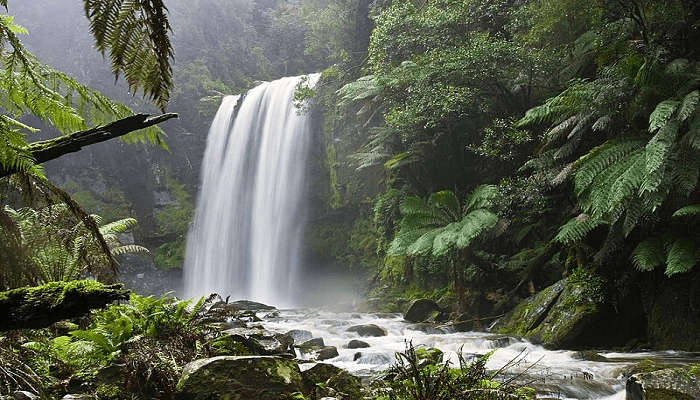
584 115
473 152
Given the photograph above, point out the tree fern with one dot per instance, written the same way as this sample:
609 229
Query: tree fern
135 33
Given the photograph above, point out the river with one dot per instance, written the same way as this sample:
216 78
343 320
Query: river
555 374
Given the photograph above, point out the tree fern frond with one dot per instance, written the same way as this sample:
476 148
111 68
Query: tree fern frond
129 248
689 105
447 202
119 226
474 224
480 197
576 229
662 114
649 254
683 254
691 210
135 32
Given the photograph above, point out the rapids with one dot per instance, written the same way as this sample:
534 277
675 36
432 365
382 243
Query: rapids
555 374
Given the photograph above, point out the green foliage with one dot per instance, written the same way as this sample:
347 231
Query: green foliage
417 380
439 226
51 244
174 222
136 35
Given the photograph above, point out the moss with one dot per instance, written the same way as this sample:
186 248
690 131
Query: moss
109 392
526 315
174 221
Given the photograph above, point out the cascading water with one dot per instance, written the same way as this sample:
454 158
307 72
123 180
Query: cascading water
245 241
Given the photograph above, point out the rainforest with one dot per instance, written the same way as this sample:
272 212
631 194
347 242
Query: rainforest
350 199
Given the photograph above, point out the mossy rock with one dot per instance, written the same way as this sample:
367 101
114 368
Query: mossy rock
642 367
564 315
338 379
568 320
665 384
230 346
530 312
240 378
40 306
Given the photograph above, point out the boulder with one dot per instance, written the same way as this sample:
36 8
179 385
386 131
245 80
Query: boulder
251 305
326 353
664 384
315 342
357 356
357 344
299 335
422 310
564 315
260 341
367 330
227 377
336 378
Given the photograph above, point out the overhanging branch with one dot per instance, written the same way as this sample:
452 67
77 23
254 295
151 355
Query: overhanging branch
46 150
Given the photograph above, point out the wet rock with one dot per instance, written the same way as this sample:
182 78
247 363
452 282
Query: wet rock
336 378
24 395
299 335
315 342
527 315
589 356
357 356
430 329
367 330
564 315
642 367
251 305
357 344
326 353
422 310
498 342
670 383
260 341
256 377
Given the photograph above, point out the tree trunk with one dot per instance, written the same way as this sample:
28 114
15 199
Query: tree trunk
46 150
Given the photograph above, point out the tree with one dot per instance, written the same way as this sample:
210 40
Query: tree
439 227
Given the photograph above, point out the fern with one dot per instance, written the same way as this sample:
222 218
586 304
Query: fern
576 229
135 32
691 210
649 254
683 254
662 114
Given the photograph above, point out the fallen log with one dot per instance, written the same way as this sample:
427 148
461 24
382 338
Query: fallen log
46 150
40 306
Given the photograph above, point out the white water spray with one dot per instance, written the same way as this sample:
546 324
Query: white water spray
249 223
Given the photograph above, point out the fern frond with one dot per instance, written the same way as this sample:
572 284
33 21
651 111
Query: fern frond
689 105
683 254
135 32
649 254
691 210
662 114
129 248
481 197
474 224
119 226
576 229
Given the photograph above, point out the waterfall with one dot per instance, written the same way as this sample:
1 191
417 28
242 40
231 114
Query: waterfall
249 223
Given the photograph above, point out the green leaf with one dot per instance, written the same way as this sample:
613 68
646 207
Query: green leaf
662 114
683 254
691 210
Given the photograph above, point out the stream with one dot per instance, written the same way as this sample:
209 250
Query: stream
555 374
